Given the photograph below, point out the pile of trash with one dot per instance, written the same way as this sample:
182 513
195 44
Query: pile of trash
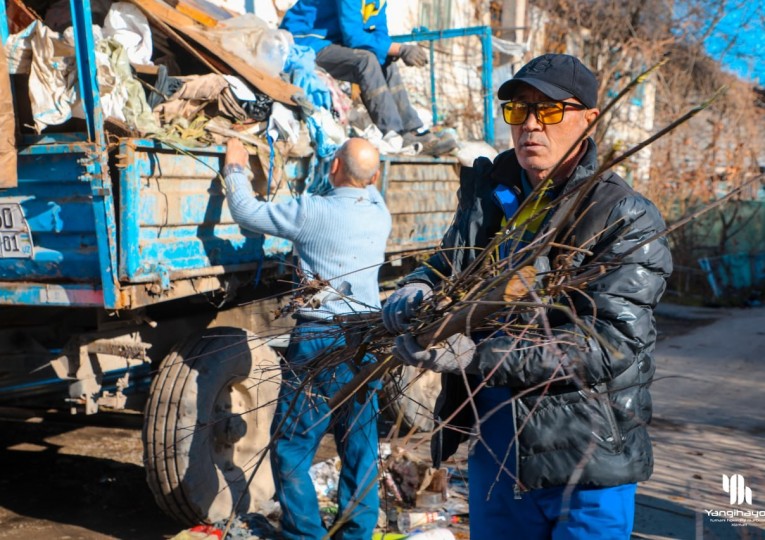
189 77
417 503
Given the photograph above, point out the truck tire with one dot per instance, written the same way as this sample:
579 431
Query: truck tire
207 423
410 393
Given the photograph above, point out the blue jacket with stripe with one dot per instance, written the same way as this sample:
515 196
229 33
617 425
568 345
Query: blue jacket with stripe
357 24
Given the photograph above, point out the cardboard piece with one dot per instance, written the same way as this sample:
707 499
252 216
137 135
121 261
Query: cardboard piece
213 64
8 172
19 16
274 87
202 11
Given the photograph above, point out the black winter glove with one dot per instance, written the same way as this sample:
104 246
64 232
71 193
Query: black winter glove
413 55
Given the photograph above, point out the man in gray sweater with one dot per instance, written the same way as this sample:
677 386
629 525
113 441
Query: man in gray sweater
339 237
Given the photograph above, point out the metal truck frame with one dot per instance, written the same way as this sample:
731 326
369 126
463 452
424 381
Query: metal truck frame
125 284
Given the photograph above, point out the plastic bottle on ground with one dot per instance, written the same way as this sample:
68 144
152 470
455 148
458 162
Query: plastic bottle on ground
422 520
433 534
407 521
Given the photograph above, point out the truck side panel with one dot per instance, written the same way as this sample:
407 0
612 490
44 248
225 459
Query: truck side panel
58 208
174 220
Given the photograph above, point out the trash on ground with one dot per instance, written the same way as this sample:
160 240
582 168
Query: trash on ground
200 532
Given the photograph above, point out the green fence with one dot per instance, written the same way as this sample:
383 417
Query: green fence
724 248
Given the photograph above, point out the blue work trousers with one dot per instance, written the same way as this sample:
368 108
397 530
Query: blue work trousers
302 404
382 90
558 513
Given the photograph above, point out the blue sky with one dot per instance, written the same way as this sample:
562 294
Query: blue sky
745 25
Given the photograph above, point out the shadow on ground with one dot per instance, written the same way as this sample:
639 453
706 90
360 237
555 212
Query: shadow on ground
49 490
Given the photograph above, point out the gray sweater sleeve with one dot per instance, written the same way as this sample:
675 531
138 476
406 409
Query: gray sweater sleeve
284 219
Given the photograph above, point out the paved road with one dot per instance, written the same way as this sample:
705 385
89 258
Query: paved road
709 421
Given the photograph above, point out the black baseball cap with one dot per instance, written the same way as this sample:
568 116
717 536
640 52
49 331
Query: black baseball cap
558 76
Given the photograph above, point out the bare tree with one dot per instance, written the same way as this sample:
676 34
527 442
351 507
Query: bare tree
711 155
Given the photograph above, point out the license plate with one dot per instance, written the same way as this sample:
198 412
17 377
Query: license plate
15 239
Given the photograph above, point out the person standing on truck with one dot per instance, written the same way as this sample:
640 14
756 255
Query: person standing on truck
339 237
560 427
352 44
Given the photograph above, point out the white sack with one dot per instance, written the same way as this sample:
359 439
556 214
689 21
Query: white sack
130 28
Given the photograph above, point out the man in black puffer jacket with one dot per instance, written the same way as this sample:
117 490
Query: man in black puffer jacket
560 437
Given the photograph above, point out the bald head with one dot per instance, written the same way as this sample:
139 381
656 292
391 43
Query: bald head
356 164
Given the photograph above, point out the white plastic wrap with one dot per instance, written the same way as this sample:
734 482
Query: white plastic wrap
250 38
129 27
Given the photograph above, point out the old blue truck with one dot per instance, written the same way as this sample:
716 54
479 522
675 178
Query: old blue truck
125 284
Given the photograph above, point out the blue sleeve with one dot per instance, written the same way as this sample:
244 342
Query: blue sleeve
370 34
284 220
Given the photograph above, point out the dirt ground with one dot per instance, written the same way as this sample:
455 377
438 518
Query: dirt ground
75 478
81 478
